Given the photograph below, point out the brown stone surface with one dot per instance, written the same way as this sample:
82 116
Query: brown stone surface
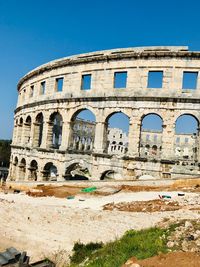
173 259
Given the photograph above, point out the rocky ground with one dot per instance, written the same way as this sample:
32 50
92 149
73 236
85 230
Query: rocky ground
46 224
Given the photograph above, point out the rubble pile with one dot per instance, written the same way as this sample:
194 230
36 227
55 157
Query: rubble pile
186 237
144 206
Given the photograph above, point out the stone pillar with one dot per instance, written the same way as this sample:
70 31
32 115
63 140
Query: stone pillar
65 135
134 138
168 139
19 134
100 140
26 134
35 134
32 135
47 135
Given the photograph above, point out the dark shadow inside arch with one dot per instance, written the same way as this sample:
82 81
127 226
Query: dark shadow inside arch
107 175
76 172
27 130
82 130
186 138
56 122
33 170
151 136
38 131
50 172
22 169
117 130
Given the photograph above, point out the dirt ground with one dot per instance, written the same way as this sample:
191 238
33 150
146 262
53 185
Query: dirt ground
175 259
44 220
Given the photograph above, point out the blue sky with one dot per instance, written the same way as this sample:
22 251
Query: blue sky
35 32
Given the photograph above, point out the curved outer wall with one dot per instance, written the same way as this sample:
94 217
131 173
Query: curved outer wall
136 101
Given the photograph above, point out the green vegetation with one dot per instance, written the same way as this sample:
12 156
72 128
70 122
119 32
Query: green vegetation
141 244
5 151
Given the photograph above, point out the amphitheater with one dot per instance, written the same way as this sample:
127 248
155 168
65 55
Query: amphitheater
47 131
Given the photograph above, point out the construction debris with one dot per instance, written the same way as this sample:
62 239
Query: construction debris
12 257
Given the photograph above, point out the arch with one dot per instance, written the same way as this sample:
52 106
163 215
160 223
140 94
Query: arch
82 130
80 110
116 132
50 172
116 112
16 160
153 118
186 137
55 129
184 119
38 130
33 169
110 175
28 119
151 135
22 169
76 172
21 121
27 130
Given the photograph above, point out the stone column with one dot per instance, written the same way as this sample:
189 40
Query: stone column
26 134
100 140
35 134
134 138
32 133
168 138
19 134
65 135
47 134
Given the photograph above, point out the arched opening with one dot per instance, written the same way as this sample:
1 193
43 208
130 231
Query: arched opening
27 130
20 131
77 171
82 131
117 129
107 175
55 130
50 172
151 136
38 130
22 169
186 137
33 175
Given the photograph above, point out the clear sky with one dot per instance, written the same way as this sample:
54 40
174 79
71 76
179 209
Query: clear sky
33 32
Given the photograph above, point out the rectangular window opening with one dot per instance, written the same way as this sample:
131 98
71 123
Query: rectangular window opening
31 90
59 84
42 88
86 82
120 79
155 79
189 80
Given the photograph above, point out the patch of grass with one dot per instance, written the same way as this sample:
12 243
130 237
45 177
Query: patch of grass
81 251
141 244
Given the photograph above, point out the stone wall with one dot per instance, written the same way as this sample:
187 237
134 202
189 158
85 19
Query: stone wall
35 151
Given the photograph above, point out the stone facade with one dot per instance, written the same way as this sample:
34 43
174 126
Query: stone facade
117 141
43 142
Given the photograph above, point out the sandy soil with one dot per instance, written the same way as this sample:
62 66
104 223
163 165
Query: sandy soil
44 225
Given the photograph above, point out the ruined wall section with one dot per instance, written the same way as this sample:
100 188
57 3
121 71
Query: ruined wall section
135 100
